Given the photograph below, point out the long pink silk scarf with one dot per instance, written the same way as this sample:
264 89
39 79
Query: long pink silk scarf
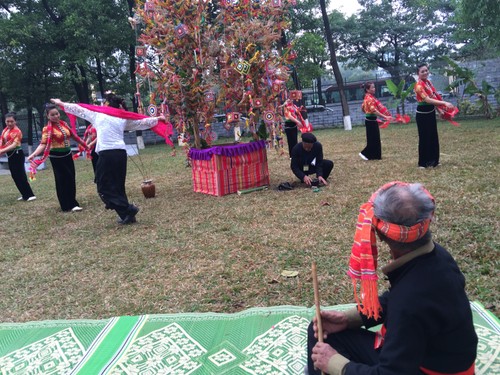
164 128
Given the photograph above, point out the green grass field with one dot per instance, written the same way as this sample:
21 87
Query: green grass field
195 252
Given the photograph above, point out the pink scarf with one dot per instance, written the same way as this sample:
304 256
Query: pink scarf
164 129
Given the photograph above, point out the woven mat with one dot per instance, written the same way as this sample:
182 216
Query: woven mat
256 341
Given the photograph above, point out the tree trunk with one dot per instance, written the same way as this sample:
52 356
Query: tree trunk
319 86
81 85
295 76
132 63
100 78
3 107
335 66
29 107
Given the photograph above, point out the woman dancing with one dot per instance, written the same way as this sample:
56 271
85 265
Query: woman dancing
428 99
110 123
372 108
10 144
55 145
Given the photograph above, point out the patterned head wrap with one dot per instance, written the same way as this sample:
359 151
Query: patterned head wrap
363 260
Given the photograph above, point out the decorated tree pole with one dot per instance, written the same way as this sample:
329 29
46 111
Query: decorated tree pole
206 56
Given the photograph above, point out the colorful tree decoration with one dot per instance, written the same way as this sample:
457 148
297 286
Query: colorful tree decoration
205 57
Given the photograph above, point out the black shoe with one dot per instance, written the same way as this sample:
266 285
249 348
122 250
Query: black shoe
127 220
130 217
285 186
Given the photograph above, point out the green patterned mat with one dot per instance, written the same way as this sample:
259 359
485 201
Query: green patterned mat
255 341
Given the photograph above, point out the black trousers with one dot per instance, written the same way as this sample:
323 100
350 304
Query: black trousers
111 172
291 132
327 168
428 139
65 175
373 149
356 345
95 157
18 173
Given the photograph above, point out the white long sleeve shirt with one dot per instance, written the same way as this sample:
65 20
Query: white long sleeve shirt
109 128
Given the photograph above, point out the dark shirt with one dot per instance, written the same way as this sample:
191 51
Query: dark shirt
301 161
428 320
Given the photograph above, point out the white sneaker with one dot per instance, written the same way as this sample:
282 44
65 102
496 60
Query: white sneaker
362 156
31 198
76 209
20 198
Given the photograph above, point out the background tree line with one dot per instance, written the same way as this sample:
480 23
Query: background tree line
66 48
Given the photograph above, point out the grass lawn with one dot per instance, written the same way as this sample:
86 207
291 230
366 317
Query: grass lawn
195 252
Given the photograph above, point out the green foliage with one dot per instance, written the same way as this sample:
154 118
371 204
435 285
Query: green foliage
389 34
58 48
399 92
313 56
478 28
464 80
262 132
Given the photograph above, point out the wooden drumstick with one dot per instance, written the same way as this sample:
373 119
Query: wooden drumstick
316 302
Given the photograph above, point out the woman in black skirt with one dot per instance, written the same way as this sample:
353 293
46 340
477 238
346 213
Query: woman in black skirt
10 144
372 108
428 99
55 144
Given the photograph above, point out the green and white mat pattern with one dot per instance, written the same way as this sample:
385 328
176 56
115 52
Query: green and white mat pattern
260 341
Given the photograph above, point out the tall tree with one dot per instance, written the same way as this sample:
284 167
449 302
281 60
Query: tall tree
335 65
313 58
395 34
478 28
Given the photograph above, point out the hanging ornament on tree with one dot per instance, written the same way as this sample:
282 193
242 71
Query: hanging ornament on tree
233 117
181 31
269 117
242 67
152 110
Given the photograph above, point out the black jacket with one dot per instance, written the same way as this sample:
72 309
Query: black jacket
428 320
301 159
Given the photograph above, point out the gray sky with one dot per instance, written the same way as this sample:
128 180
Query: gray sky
345 6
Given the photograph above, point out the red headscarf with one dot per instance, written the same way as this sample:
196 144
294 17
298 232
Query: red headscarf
363 260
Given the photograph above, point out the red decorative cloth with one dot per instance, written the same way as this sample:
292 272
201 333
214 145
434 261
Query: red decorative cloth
292 113
364 253
372 104
424 89
89 131
63 127
164 128
11 136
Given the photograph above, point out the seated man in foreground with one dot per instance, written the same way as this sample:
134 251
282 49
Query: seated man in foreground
426 318
307 159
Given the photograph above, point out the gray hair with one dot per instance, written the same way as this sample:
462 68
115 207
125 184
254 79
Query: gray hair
404 205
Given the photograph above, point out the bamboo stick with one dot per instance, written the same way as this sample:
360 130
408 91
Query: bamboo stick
316 302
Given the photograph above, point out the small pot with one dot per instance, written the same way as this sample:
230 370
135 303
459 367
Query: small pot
148 188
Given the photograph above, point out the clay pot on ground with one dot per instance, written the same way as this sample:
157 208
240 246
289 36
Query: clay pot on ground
148 188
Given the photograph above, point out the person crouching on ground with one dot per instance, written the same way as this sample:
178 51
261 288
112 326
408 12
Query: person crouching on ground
427 325
307 159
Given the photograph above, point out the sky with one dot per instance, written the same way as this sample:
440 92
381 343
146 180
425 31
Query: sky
347 7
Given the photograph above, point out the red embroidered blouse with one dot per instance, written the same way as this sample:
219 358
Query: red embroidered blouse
11 136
